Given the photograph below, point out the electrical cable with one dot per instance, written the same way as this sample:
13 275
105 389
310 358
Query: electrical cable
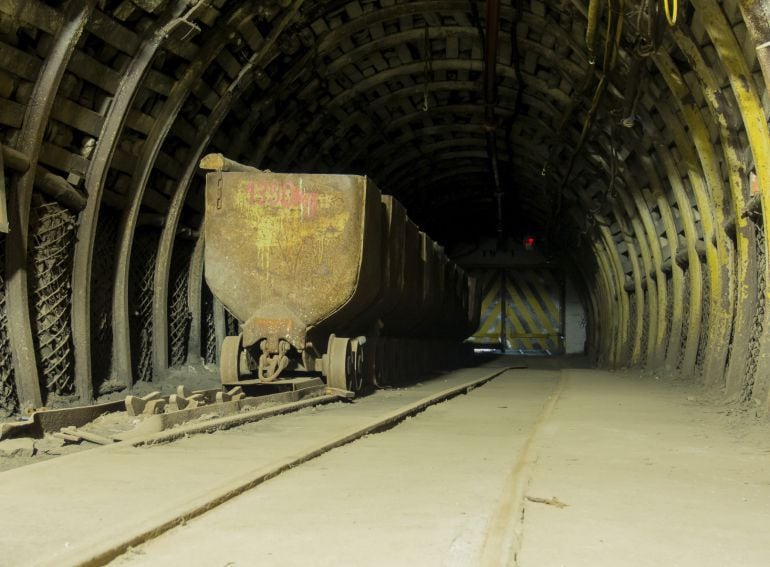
671 14
427 69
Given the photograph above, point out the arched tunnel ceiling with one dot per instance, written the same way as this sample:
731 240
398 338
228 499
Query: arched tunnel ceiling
639 148
393 90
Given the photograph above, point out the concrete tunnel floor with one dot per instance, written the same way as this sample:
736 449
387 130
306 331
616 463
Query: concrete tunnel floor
546 466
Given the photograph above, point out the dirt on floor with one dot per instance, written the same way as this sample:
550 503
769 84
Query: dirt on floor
29 451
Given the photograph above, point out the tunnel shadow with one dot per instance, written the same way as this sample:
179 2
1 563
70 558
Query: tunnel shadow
553 362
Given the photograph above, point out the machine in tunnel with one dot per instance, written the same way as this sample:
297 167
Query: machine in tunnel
634 135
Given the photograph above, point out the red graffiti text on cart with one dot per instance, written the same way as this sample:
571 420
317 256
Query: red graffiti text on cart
284 195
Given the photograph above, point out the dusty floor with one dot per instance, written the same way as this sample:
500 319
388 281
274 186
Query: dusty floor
193 377
53 511
537 468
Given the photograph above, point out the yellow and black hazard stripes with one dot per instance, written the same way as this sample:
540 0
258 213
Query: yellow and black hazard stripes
533 304
491 324
521 310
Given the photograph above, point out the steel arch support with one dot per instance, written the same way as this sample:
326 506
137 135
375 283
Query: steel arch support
22 343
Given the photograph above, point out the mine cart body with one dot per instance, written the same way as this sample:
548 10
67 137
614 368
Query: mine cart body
326 275
405 314
473 318
294 257
393 255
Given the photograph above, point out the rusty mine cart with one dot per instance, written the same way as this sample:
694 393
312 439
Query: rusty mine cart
327 276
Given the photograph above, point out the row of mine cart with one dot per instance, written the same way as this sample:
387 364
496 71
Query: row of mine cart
327 275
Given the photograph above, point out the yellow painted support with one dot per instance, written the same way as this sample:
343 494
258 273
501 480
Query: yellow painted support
605 303
754 119
694 265
742 83
645 228
618 325
744 260
651 295
651 267
650 273
609 262
622 296
633 256
707 185
677 274
646 300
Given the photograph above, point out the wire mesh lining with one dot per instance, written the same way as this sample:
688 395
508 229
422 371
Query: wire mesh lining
685 316
178 310
102 284
209 336
9 402
143 256
756 333
733 325
645 329
52 235
701 356
231 324
632 317
669 308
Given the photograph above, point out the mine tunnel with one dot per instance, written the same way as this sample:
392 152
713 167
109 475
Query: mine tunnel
627 142
602 167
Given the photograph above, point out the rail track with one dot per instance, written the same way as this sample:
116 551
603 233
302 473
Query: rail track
149 484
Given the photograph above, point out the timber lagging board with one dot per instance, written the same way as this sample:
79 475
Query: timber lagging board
521 310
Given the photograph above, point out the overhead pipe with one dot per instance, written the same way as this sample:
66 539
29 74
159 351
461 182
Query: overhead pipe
490 56
492 40
613 34
594 13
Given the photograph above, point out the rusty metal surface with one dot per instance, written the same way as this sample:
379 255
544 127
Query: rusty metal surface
404 314
393 219
284 252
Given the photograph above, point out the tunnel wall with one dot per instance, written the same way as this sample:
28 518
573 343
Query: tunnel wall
574 320
643 148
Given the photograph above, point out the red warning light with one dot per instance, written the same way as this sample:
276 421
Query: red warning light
529 242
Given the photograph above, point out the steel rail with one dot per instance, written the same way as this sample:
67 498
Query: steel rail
165 520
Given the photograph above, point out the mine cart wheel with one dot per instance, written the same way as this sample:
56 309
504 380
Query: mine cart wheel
339 354
358 366
230 360
340 362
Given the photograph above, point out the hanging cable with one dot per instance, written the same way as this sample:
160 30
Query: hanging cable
610 193
671 8
489 43
490 102
520 86
427 69
613 34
